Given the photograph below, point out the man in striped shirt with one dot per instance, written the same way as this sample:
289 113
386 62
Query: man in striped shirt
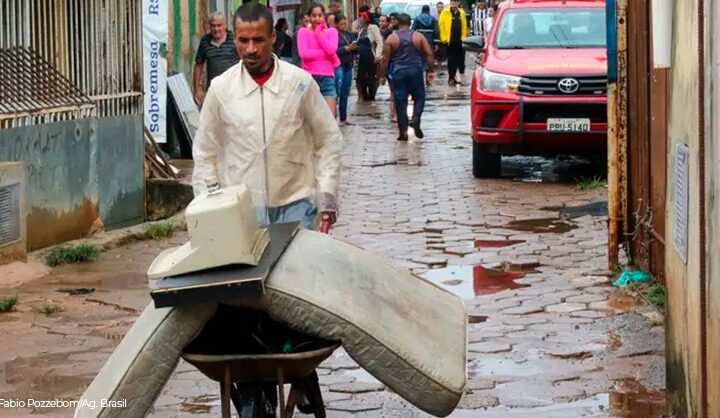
217 52
479 15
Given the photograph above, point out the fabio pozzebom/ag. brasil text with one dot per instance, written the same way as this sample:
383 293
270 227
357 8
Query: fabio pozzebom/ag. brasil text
61 403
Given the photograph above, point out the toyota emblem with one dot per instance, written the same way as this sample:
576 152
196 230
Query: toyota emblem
568 85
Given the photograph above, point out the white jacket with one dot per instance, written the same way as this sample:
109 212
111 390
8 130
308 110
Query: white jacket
285 125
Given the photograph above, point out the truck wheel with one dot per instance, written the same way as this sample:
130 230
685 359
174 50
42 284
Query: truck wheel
485 164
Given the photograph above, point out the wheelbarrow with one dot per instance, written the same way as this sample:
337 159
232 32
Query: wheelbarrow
245 379
262 356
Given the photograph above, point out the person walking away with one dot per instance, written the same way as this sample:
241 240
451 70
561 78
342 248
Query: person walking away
216 52
408 51
426 25
370 47
283 42
317 46
453 29
265 123
347 46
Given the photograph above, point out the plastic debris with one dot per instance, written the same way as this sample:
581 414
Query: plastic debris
631 276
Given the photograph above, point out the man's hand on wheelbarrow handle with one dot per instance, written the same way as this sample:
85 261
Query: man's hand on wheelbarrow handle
326 220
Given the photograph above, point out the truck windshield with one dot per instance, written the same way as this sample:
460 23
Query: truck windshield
551 28
388 8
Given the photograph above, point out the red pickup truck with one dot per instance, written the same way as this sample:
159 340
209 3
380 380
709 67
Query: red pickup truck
541 84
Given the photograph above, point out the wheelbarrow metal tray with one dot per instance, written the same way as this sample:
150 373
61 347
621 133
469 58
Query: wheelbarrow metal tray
260 367
409 333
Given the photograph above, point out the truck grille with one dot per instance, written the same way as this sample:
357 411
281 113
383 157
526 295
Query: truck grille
541 112
549 85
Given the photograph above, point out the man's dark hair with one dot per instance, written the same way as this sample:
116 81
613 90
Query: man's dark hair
440 3
314 6
252 12
280 23
339 17
395 15
426 9
404 19
364 8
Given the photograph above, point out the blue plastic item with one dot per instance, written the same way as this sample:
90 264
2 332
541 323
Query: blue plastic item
634 276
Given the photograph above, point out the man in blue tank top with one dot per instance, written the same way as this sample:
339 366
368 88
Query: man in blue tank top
408 51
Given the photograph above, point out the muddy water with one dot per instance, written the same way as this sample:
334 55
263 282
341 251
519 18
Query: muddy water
471 281
630 399
541 226
496 243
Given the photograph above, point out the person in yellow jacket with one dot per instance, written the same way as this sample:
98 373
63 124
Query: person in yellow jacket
452 26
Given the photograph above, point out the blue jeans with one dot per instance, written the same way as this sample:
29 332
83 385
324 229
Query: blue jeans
303 210
408 82
343 82
327 86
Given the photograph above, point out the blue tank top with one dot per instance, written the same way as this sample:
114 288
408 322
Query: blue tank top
406 56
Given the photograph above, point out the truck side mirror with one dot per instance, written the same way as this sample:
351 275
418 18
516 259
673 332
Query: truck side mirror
474 43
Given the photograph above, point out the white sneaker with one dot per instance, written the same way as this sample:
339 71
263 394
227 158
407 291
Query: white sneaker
460 79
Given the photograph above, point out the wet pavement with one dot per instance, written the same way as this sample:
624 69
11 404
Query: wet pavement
548 336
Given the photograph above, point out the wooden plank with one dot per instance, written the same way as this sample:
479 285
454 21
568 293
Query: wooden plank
658 168
638 131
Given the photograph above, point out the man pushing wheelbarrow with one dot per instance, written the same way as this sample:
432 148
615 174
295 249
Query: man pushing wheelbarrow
252 300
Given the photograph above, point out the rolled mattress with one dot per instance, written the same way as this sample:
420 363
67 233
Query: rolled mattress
407 332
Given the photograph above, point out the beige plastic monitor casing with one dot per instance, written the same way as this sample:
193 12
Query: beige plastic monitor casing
223 230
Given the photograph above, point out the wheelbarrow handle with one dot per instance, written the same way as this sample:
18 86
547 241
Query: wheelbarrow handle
325 226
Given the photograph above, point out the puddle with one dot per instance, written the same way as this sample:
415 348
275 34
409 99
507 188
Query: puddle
599 208
33 377
471 281
541 226
477 319
194 408
496 243
630 399
539 169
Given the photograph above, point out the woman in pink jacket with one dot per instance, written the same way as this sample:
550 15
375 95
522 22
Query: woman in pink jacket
317 47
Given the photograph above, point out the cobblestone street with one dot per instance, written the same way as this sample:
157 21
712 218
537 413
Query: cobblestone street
548 335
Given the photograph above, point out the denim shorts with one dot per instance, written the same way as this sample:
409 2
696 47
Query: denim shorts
327 85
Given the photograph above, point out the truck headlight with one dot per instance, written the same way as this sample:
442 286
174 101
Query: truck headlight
497 82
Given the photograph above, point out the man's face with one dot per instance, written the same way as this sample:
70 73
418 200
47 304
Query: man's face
440 7
342 25
453 6
218 28
393 22
491 12
306 20
254 41
334 8
384 22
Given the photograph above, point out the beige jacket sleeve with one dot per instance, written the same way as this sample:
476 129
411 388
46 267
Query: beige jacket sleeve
327 140
376 38
207 145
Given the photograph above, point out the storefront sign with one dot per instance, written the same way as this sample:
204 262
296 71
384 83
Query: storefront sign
155 33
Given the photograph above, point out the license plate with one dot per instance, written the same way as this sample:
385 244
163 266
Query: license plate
568 125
